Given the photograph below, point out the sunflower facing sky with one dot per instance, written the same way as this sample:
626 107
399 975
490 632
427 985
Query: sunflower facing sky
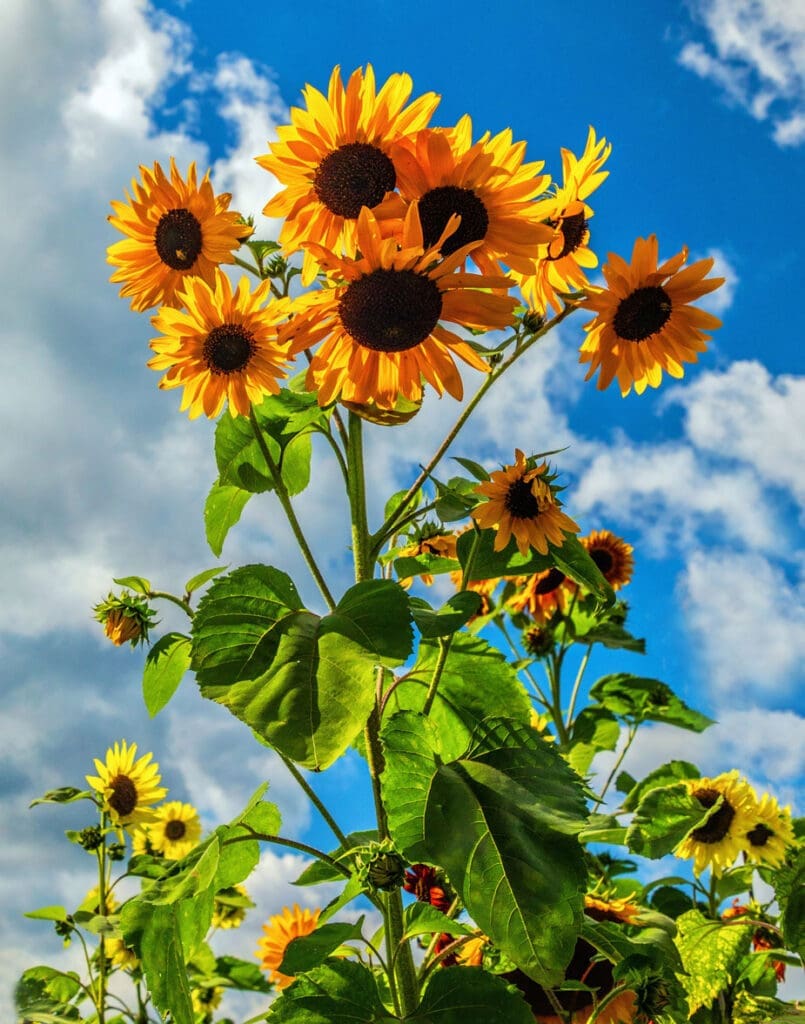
522 503
129 788
718 841
335 158
277 934
644 322
176 830
612 555
382 324
174 229
222 348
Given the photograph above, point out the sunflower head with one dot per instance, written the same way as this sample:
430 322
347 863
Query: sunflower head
206 998
770 832
430 539
230 906
127 788
277 934
718 840
175 830
540 595
121 955
612 555
126 618
429 885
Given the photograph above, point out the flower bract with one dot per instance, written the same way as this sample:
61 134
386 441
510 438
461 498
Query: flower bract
129 788
277 933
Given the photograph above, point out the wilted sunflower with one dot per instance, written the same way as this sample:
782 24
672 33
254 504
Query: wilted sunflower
335 158
540 595
381 326
176 229
522 502
129 788
612 555
486 184
176 830
563 261
223 348
718 841
769 833
277 933
644 323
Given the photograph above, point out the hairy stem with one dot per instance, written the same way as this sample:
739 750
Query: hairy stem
315 800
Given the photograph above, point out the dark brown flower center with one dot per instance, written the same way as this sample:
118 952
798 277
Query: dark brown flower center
520 502
760 835
124 795
574 233
603 559
550 582
642 313
718 824
437 206
354 175
390 310
228 348
175 830
178 239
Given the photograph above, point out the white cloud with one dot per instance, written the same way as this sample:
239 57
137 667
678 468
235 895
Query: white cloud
719 301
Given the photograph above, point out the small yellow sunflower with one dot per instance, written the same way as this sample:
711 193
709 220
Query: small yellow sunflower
382 325
281 929
91 903
486 184
335 158
769 833
540 595
223 348
141 842
175 229
612 555
206 998
644 322
129 788
121 955
431 542
522 502
720 839
230 906
176 830
563 261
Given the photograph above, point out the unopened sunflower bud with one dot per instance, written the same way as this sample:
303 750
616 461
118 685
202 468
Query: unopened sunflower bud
538 641
386 871
125 618
90 838
533 321
276 266
117 851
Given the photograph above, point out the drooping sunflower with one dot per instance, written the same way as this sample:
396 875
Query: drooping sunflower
382 324
644 322
223 348
175 229
612 555
563 261
540 595
176 830
769 833
718 841
522 502
129 788
230 906
277 933
335 158
126 618
486 184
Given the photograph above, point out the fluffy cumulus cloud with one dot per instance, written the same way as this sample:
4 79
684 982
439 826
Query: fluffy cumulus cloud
755 53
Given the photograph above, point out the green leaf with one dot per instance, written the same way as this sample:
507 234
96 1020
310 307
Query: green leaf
43 993
711 953
665 775
240 974
603 828
789 885
424 919
594 729
458 609
203 577
308 951
155 933
222 510
470 996
671 901
409 744
663 818
337 992
625 783
295 464
475 468
321 871
165 666
239 458
423 565
354 888
50 913
635 697
455 498
139 584
396 500
64 795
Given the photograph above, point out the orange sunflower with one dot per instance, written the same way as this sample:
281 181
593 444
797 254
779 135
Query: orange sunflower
280 930
335 158
432 541
381 325
562 263
486 184
612 555
644 323
522 502
224 347
175 229
540 595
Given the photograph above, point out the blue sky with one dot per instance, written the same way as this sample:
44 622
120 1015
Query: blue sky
705 108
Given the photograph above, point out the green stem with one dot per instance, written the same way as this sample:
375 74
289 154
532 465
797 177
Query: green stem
248 266
285 501
610 997
618 762
538 694
101 995
163 595
577 685
357 500
712 896
315 800
554 670
293 844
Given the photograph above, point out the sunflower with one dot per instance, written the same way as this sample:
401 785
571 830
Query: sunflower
141 842
230 906
206 998
128 788
644 323
719 840
486 184
431 542
126 618
176 831
612 555
121 955
522 501
223 348
175 229
280 930
769 833
335 158
429 885
382 325
540 595
563 261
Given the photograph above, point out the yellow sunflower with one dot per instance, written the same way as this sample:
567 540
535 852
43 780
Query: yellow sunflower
121 955
141 842
381 325
718 841
563 261
612 555
206 998
175 229
129 788
770 832
230 906
486 184
431 542
522 502
223 348
281 929
540 595
176 830
335 158
644 322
